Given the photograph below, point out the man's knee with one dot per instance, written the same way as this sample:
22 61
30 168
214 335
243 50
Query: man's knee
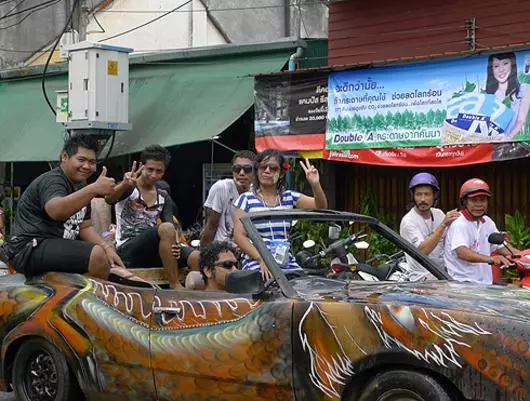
99 264
193 260
167 230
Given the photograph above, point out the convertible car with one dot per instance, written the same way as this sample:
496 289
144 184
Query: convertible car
297 337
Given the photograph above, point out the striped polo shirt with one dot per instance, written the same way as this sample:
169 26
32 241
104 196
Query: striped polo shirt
269 230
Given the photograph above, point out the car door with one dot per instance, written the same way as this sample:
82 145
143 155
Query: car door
117 320
214 345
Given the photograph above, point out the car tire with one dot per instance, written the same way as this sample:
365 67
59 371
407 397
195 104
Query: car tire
402 385
41 372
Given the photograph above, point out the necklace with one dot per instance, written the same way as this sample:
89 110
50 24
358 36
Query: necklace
262 198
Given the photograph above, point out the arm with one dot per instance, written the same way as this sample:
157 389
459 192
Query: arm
521 116
60 207
319 199
118 192
470 256
128 183
210 228
241 238
88 233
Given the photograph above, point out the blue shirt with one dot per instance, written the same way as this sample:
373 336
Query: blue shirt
269 230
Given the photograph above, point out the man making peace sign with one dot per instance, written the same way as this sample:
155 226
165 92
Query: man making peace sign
145 233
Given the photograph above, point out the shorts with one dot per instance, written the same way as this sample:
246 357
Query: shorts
54 254
143 251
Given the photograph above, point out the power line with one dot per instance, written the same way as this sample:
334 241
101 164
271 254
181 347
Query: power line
26 16
36 7
13 9
146 23
207 9
51 54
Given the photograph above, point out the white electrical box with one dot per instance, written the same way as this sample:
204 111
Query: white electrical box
98 86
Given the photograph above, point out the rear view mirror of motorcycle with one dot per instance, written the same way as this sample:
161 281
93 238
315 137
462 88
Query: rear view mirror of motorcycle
496 239
334 231
309 244
362 245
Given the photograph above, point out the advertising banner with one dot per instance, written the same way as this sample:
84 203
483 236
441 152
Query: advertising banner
291 112
468 101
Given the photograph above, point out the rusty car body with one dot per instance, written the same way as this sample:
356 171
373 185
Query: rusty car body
303 338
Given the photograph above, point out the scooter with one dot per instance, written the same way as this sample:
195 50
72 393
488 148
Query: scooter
520 261
345 266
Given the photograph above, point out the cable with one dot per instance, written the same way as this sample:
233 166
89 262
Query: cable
27 15
43 82
38 6
13 9
209 9
147 23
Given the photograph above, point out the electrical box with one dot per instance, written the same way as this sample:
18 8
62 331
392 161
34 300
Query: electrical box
98 87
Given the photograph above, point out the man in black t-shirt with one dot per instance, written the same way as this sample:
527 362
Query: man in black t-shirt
52 230
145 232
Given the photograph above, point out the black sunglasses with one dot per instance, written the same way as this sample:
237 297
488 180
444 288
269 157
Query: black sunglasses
227 264
236 168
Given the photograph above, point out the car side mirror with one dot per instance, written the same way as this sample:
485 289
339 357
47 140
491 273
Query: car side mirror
244 282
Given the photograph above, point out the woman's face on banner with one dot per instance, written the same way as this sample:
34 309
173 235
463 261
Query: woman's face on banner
501 69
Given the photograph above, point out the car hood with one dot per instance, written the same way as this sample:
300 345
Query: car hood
493 300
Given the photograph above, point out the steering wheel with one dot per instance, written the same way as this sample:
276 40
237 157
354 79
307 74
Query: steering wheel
290 276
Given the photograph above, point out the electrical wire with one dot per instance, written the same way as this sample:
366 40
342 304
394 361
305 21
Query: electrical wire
147 23
36 7
27 15
13 8
43 82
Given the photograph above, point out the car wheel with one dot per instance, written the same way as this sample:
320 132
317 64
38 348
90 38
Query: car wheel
402 385
41 373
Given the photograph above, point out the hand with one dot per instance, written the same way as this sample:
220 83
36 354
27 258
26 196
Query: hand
451 216
175 250
500 260
265 272
113 258
130 177
104 185
311 173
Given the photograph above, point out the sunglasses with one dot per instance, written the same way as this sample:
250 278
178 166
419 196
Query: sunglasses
273 168
227 264
236 168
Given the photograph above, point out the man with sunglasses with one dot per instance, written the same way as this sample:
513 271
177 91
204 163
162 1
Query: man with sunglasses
217 259
220 202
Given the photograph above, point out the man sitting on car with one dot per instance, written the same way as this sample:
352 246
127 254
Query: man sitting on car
216 260
146 235
52 230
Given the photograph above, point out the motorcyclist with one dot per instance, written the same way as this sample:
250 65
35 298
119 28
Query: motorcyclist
424 225
467 252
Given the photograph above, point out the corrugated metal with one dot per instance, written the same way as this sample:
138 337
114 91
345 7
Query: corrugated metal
362 32
508 180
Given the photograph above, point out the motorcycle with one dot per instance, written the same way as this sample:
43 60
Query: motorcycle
520 261
345 266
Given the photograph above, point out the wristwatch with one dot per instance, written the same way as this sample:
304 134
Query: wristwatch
491 261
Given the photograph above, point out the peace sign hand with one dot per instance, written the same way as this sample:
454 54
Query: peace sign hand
311 173
130 177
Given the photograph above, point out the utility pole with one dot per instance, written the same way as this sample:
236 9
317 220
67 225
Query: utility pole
80 18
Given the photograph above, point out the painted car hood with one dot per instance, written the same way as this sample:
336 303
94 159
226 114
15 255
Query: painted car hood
500 301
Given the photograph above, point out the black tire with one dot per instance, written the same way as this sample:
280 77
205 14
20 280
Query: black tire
402 385
41 373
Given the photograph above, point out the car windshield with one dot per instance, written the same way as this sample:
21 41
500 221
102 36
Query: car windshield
337 245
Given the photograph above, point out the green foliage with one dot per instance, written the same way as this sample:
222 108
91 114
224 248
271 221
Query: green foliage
7 220
398 120
518 232
378 244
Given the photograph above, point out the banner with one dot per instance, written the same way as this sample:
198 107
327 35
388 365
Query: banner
468 101
291 111
433 156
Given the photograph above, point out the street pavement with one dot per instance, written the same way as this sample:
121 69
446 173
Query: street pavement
7 396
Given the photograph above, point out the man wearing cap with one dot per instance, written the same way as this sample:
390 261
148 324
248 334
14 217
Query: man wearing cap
424 225
467 252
